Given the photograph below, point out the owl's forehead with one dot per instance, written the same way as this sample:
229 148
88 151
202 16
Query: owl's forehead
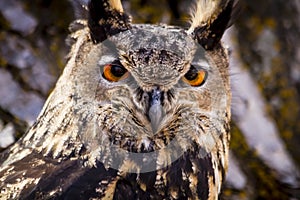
157 40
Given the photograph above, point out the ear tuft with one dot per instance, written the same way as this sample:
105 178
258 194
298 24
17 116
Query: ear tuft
211 19
106 18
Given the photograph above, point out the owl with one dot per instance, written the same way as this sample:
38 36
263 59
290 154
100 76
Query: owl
140 112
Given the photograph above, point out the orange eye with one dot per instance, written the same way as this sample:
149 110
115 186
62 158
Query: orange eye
195 77
114 72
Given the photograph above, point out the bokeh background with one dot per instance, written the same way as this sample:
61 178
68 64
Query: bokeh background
265 72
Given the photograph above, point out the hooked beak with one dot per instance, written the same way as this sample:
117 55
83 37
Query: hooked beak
156 111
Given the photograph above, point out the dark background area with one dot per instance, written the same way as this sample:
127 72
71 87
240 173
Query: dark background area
265 141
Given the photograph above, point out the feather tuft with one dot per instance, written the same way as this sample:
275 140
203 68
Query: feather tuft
116 4
205 12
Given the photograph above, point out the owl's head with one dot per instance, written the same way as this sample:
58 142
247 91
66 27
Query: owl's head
140 87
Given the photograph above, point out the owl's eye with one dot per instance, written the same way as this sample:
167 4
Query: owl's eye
195 77
114 72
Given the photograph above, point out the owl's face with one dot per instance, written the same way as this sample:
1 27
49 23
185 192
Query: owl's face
154 84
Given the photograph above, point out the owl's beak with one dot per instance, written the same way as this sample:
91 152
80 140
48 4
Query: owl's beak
156 111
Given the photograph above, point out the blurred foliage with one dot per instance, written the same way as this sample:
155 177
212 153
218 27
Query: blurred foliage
276 80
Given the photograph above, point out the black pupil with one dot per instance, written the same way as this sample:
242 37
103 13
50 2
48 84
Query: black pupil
191 74
117 70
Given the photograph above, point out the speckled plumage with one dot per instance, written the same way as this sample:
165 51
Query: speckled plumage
96 139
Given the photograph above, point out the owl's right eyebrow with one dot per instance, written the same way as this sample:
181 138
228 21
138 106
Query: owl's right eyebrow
203 64
106 59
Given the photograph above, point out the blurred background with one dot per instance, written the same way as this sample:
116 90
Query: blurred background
265 73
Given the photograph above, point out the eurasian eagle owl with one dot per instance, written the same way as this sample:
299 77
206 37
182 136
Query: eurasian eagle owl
140 112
